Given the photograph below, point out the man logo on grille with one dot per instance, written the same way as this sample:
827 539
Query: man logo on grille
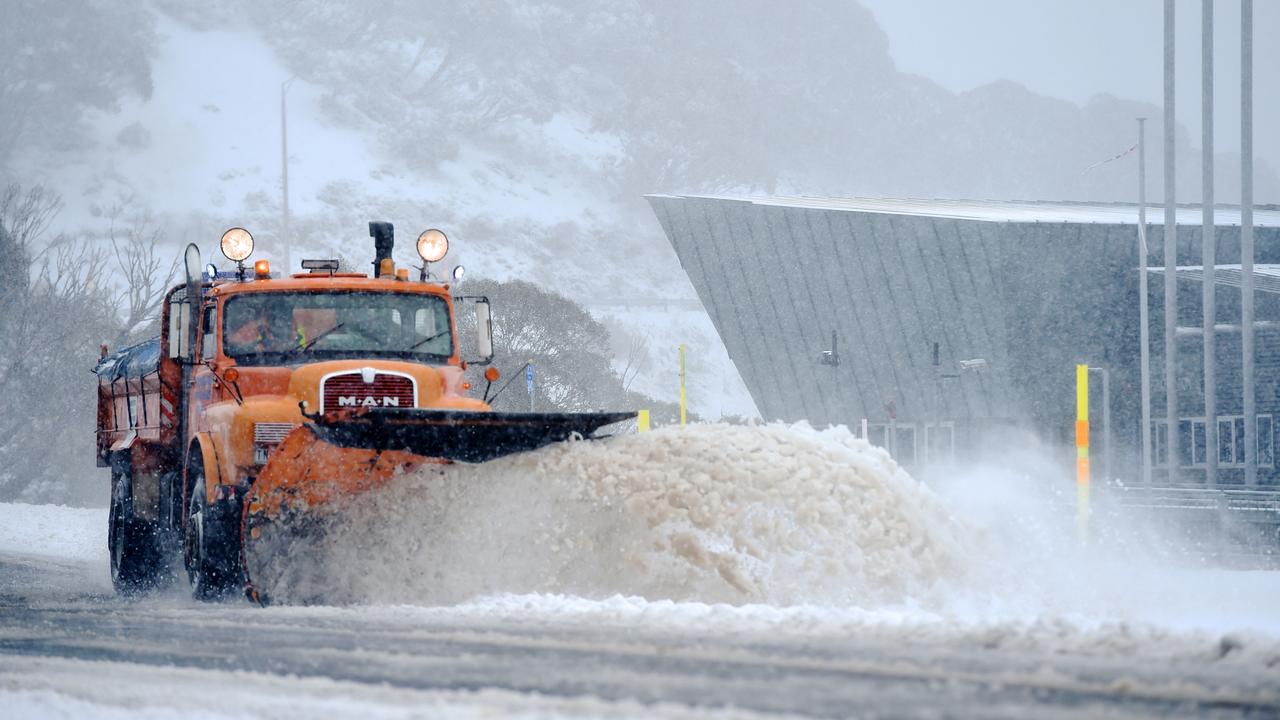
368 401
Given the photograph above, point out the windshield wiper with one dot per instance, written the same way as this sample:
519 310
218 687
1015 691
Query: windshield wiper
419 344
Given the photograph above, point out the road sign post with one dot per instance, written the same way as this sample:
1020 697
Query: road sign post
528 379
1082 451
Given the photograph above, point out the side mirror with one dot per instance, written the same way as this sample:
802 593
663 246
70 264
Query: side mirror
195 287
483 327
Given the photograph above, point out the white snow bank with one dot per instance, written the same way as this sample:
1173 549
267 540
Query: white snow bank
716 513
54 548
41 687
54 531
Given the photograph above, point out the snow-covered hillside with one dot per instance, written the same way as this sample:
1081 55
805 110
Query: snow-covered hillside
203 153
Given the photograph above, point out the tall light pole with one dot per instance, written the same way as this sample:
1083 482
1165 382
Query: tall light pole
1170 255
285 232
1246 242
1145 352
1208 247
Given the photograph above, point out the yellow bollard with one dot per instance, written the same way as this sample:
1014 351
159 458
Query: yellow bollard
642 421
683 397
1082 451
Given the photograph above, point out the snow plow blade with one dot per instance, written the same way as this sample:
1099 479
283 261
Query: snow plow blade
460 435
296 498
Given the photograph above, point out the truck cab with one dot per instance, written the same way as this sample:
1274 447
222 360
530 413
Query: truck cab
271 349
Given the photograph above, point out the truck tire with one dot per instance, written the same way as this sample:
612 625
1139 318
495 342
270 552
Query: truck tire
134 544
211 544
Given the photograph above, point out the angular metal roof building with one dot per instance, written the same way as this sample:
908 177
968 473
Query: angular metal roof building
954 320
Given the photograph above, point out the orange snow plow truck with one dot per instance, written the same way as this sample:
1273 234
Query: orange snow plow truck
266 401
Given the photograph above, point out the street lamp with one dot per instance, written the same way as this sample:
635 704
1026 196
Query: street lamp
284 174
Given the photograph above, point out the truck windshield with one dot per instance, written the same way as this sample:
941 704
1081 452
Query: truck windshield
277 328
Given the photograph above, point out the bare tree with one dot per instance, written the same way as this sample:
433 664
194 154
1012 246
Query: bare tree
55 309
135 250
25 215
637 358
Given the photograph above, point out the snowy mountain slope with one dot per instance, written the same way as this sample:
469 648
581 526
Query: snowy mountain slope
203 153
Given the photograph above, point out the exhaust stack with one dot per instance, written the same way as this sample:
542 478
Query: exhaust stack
384 240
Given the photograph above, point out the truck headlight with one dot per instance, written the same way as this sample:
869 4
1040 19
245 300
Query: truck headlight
237 244
432 245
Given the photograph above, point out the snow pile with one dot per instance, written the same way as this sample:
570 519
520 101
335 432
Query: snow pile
54 531
53 549
773 514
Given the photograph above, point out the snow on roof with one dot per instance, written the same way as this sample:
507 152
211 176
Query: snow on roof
1266 277
1013 211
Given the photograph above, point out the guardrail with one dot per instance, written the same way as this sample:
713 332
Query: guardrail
1265 504
1230 524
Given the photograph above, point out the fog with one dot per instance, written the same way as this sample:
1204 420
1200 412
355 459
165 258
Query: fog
1076 50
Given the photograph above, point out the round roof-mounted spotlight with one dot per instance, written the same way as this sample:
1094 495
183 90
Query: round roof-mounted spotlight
237 244
432 246
458 272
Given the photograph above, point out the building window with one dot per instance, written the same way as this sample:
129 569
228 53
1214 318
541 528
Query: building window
1231 440
1266 442
1160 443
899 439
940 442
877 435
904 444
1237 425
1226 441
1192 442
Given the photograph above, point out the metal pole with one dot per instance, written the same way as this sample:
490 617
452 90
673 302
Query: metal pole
1208 246
1106 420
286 234
1082 452
683 395
1246 242
1170 252
1143 311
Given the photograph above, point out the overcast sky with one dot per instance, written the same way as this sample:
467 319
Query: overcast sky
1074 49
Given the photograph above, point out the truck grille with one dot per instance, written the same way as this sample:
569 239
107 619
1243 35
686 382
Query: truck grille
271 433
349 390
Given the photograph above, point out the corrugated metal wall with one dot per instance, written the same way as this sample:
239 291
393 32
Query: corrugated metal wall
1028 299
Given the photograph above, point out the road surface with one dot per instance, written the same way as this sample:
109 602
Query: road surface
68 647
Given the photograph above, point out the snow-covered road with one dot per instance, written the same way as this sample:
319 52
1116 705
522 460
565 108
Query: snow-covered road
70 649
760 572
545 656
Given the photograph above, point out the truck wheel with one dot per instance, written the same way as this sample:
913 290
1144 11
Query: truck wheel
211 545
137 561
